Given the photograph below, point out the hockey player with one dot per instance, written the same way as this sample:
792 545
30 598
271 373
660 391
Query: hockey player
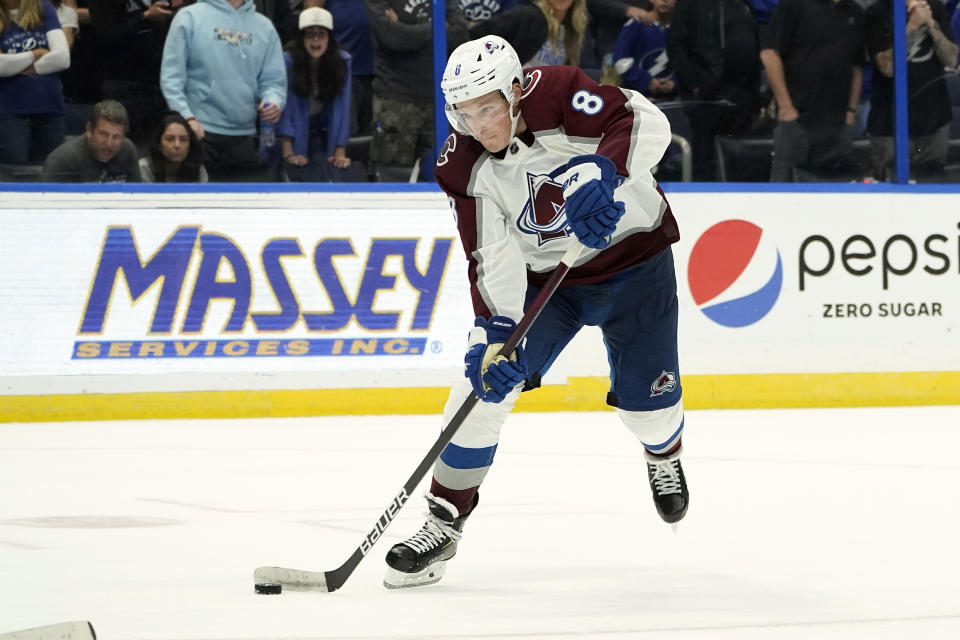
539 161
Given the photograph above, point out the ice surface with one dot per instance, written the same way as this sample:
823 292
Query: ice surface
803 524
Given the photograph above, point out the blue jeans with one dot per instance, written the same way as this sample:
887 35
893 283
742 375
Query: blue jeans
28 139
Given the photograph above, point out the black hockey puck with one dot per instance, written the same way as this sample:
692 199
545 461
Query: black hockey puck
268 587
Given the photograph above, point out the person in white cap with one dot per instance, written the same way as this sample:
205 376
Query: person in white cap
539 161
315 125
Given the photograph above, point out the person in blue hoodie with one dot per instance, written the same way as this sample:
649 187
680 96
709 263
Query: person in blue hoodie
315 125
222 69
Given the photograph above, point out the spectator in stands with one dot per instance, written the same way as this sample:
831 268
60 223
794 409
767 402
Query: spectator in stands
813 54
762 11
566 26
403 85
315 126
104 154
713 46
640 54
174 153
476 11
80 7
640 62
955 25
930 48
281 14
69 20
33 49
222 67
523 25
608 17
130 36
83 81
352 31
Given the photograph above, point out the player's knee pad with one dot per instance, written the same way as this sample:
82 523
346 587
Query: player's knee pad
481 428
658 430
464 462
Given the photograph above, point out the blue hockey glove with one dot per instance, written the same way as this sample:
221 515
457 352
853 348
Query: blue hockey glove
592 213
493 377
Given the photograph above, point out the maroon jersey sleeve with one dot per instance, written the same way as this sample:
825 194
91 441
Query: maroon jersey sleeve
455 168
583 108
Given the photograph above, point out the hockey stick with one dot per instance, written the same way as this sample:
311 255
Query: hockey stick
79 630
296 580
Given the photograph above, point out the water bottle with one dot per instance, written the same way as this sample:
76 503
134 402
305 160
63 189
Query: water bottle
268 135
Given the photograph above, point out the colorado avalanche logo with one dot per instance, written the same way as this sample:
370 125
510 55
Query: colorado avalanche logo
665 383
544 213
490 46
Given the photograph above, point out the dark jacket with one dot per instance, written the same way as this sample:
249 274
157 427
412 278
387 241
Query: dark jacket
73 161
697 47
281 15
607 18
131 45
523 26
403 50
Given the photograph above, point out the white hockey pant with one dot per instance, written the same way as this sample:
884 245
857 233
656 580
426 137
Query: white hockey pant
658 430
465 465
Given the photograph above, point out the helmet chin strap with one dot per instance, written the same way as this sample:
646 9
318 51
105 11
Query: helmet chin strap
514 117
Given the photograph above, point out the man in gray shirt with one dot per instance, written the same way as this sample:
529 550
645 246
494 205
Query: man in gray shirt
102 154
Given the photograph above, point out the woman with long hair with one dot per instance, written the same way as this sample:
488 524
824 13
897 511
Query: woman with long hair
33 51
315 125
174 154
566 26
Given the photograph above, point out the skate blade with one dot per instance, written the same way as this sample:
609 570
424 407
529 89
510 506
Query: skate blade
675 527
399 580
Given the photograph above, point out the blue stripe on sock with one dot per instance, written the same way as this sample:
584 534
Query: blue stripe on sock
467 458
658 447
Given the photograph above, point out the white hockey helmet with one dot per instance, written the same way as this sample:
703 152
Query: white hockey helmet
476 68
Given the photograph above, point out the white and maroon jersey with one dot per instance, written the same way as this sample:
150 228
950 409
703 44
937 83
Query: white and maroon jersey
509 206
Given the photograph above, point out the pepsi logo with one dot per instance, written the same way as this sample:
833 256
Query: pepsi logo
735 273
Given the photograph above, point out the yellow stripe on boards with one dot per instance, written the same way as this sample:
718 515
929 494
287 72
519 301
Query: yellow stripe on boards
747 391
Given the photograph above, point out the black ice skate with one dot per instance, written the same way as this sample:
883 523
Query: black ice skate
669 485
422 558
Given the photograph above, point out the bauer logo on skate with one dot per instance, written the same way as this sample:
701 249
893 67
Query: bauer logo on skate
198 296
735 274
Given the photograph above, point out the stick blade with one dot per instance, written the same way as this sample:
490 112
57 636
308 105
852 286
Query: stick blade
293 579
79 630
